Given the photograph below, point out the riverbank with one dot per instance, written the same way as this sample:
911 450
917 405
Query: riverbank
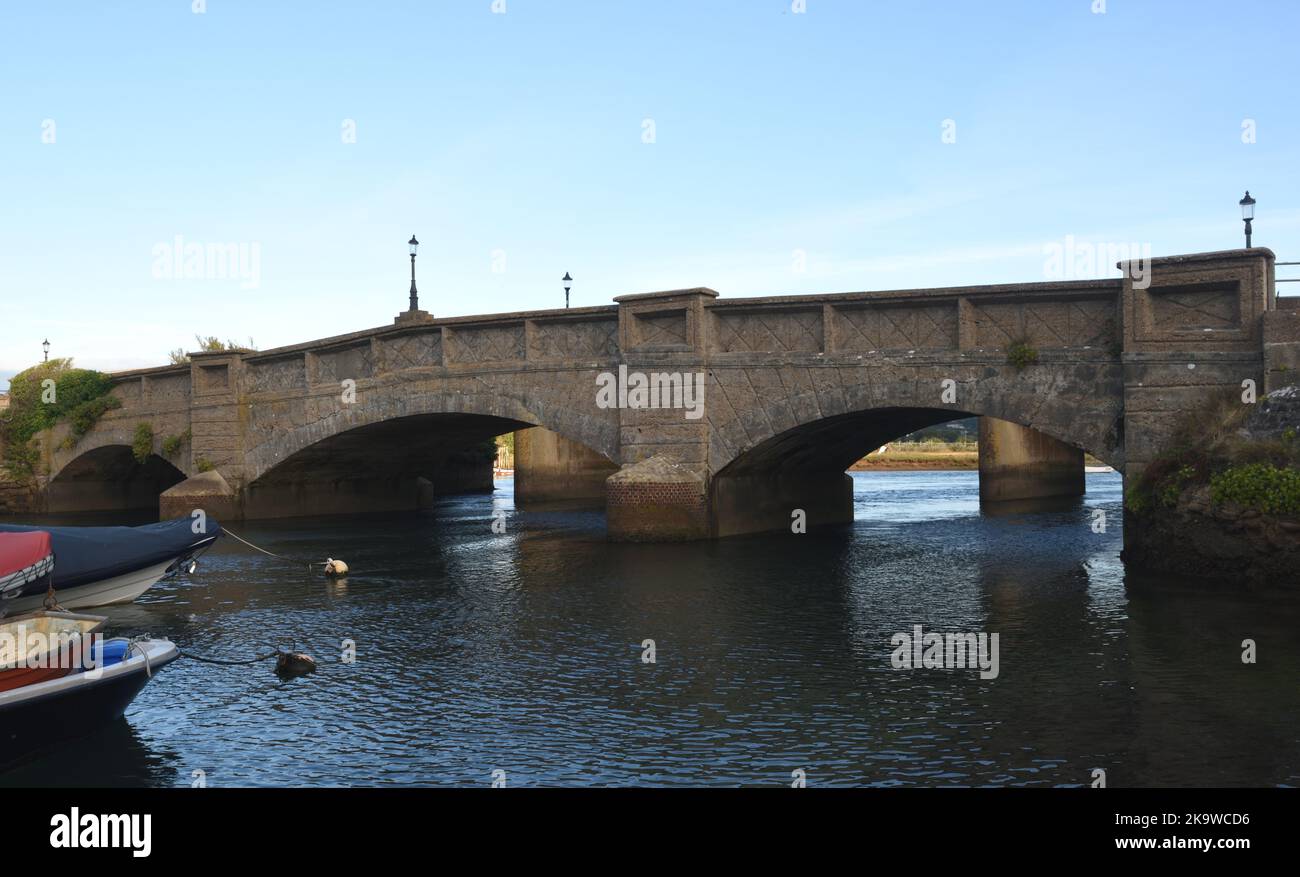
1223 501
917 456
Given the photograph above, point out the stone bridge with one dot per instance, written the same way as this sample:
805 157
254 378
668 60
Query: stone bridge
795 389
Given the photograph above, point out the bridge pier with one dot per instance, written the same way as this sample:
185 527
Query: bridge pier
1018 463
550 468
656 500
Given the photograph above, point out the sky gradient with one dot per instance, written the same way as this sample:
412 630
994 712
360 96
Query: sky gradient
792 153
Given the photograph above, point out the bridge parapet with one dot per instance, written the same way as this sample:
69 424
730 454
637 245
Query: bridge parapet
1074 314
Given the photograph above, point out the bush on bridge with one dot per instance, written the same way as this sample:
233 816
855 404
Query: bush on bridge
1021 354
142 446
80 396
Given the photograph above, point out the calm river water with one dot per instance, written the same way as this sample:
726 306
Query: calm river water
522 653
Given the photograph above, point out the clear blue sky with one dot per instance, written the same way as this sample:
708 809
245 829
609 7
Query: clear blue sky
523 133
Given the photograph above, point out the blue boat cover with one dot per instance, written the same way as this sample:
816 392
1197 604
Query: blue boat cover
89 554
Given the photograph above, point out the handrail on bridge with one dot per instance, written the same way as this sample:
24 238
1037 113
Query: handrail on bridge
1287 280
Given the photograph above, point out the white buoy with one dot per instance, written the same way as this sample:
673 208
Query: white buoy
335 567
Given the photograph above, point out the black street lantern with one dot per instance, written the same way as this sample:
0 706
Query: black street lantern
1247 214
415 245
568 282
46 345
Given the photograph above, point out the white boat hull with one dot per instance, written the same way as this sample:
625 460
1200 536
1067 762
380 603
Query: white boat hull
106 592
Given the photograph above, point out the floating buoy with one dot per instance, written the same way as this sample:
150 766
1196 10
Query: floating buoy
335 567
290 664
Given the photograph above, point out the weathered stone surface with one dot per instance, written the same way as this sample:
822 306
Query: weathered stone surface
1199 539
19 496
1018 463
796 388
1276 415
550 468
656 500
206 491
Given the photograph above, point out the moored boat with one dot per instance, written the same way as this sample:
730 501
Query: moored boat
26 560
40 646
73 705
100 566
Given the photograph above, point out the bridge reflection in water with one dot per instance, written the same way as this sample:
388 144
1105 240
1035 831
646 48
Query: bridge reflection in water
521 651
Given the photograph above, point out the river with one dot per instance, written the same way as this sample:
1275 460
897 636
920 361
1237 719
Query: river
521 656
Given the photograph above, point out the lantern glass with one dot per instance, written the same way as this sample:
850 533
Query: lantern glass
413 244
1247 207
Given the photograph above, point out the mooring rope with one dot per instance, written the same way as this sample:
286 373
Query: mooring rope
185 654
230 532
287 664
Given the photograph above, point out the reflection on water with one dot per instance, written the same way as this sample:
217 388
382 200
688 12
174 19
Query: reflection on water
522 652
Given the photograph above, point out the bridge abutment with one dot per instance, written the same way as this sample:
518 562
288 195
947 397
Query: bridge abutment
1019 463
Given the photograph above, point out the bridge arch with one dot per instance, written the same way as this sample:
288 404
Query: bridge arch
827 425
107 477
791 449
396 447
479 411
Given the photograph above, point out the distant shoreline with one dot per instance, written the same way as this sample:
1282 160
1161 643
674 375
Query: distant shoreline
914 462
913 459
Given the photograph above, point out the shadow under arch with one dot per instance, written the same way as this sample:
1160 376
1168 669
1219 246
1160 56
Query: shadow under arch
109 478
399 464
804 467
271 441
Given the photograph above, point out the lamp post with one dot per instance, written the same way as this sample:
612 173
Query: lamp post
1247 214
568 281
46 344
414 245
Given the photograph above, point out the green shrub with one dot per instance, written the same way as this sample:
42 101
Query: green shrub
172 444
142 446
22 458
84 417
1137 499
1021 354
77 395
203 464
1173 486
1260 486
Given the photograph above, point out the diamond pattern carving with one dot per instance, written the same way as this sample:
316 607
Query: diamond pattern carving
927 327
586 339
488 344
770 332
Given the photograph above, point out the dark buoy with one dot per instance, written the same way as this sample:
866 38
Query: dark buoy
291 664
